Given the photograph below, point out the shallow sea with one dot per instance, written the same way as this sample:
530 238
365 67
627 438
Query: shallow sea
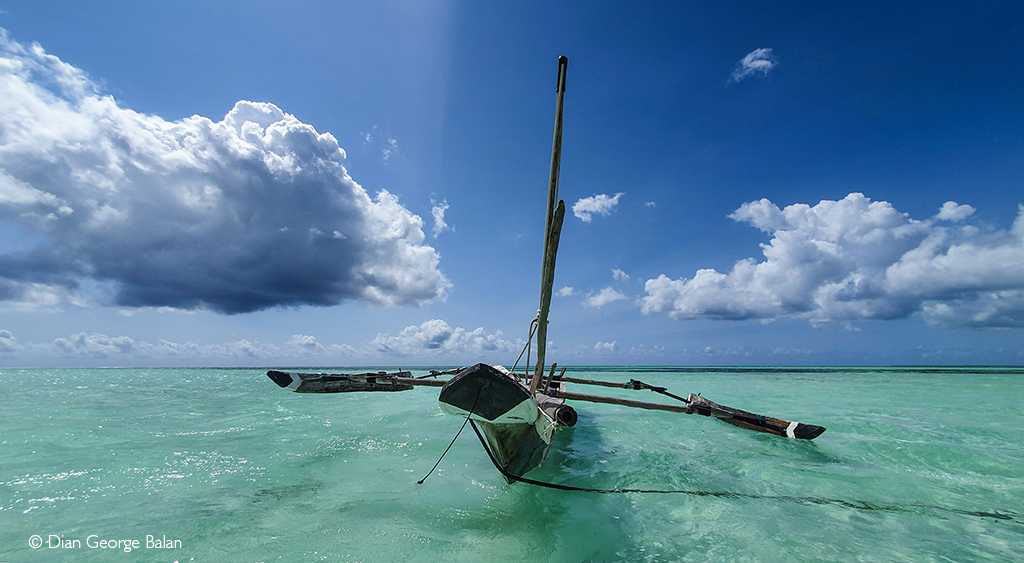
917 464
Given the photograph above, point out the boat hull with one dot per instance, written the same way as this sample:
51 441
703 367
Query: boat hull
339 383
518 432
517 448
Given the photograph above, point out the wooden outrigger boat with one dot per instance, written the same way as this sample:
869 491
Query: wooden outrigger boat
517 414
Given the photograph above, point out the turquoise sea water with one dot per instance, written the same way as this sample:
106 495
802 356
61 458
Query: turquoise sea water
916 465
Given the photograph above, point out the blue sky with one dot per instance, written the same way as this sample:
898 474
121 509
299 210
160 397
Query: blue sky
347 183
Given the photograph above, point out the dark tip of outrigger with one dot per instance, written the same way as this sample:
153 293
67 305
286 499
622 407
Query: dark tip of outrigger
281 378
808 431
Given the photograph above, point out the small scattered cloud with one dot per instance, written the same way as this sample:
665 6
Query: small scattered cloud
951 211
390 144
619 275
600 204
604 297
607 347
726 352
392 149
250 212
857 259
779 351
368 138
651 204
306 343
758 62
437 212
645 351
244 349
566 291
8 343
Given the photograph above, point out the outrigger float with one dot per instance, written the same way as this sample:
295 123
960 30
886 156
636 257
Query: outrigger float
518 413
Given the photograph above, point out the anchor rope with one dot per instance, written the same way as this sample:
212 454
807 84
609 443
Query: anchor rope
475 401
996 514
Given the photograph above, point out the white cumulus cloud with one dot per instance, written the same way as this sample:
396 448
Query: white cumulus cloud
600 204
438 338
603 297
126 350
855 259
246 213
95 345
757 62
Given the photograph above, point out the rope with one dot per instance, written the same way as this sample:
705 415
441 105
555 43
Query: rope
526 349
996 514
429 473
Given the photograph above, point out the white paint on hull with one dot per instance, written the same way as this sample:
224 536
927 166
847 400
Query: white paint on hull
525 412
791 430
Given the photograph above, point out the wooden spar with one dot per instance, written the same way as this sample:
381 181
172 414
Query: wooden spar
618 385
540 384
435 373
631 384
555 213
695 404
423 382
616 401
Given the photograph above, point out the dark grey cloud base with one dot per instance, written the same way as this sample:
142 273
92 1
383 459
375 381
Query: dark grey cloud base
251 212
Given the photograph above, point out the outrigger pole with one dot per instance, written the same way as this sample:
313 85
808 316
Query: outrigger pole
694 404
552 229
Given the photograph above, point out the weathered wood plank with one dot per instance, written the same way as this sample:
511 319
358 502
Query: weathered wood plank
615 401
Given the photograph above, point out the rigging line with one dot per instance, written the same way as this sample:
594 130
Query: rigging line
463 427
996 514
533 328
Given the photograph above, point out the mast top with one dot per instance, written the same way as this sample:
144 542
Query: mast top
563 63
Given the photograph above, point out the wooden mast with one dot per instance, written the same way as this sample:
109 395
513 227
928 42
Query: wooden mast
552 228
